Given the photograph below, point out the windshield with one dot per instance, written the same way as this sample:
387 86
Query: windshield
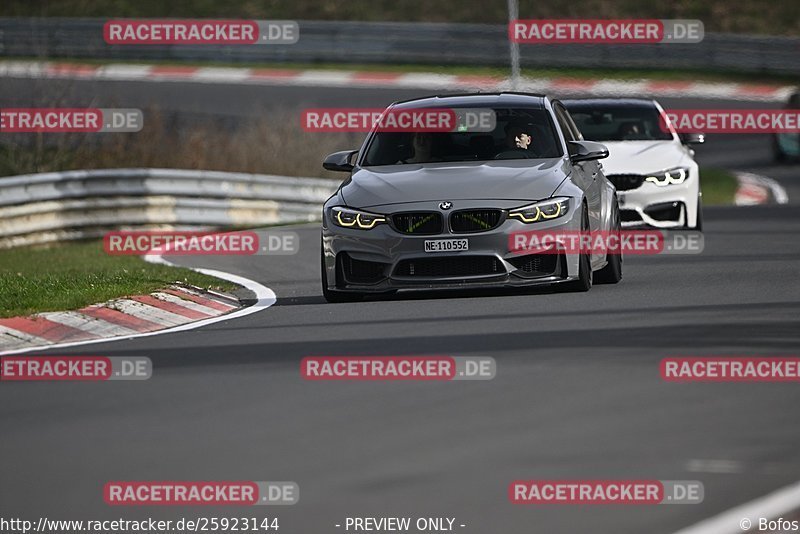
520 133
618 123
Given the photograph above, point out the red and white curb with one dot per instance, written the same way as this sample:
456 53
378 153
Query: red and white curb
125 317
174 309
375 79
755 189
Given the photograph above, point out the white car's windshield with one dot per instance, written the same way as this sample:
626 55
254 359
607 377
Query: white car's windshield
618 123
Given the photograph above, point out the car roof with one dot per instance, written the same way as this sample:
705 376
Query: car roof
609 102
505 99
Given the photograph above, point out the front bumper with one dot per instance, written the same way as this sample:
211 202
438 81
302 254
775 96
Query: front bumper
382 259
672 206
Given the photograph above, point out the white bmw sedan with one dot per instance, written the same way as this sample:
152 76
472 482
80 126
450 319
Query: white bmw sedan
652 166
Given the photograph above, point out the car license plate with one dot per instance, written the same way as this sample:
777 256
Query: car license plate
446 245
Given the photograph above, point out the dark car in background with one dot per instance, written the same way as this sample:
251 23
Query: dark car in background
786 146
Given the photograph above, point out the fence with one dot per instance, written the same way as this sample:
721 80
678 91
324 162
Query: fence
418 43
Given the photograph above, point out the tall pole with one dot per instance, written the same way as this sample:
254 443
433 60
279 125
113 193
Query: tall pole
513 14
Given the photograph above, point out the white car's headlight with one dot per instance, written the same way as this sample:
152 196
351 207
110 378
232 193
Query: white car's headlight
674 176
541 211
362 220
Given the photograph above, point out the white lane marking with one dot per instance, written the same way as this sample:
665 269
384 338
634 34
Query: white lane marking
221 73
617 87
323 77
124 72
149 313
22 69
712 90
426 80
97 327
188 304
543 85
265 298
727 467
770 506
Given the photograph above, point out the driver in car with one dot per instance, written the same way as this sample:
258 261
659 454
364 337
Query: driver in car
517 137
422 145
518 141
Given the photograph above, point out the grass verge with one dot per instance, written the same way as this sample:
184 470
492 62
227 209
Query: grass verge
718 186
68 276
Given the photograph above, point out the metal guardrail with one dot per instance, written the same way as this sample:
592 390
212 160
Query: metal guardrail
407 42
40 208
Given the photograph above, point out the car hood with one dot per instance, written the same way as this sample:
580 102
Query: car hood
501 180
639 157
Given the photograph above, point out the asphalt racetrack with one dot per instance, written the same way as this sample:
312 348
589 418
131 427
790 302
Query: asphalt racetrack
578 394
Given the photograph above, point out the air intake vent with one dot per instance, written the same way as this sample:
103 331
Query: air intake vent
360 271
466 221
449 267
418 223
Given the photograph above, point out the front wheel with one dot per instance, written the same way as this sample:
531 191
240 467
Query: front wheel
612 272
584 281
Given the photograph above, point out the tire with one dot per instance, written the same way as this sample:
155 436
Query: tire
612 272
584 281
329 294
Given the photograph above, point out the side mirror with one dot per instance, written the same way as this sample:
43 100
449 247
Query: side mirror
692 138
339 161
586 151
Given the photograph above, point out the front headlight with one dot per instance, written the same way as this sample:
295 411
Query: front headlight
671 177
347 218
542 211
